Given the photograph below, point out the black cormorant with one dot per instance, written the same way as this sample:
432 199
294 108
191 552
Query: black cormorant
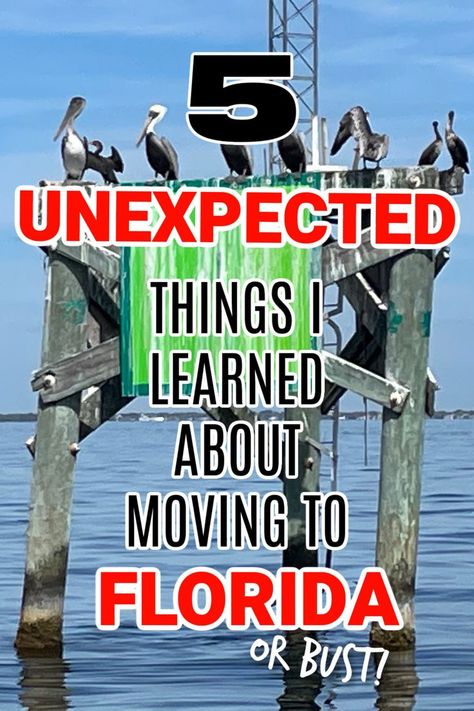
292 152
107 166
432 152
238 159
456 146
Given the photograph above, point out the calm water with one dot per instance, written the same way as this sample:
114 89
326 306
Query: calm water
129 669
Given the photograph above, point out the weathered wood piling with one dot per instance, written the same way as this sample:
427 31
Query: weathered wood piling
385 360
56 446
406 361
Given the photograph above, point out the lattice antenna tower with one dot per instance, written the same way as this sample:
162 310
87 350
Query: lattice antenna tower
293 27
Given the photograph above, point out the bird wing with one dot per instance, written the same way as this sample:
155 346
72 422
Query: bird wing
302 148
63 149
345 131
430 154
172 155
117 160
238 158
461 149
225 152
292 152
249 159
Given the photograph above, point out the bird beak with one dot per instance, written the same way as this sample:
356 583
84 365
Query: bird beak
72 112
142 135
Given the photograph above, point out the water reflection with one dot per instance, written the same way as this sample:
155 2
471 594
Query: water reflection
396 691
399 683
299 694
42 684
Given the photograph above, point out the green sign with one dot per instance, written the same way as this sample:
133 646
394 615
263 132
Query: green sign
228 259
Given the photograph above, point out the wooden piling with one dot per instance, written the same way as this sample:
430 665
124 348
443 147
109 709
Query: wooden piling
80 391
65 326
406 359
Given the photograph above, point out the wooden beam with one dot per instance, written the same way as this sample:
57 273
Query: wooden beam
352 377
100 259
339 262
105 294
371 311
415 177
100 405
78 372
362 350
452 181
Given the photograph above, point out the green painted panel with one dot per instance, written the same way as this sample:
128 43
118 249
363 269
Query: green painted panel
229 259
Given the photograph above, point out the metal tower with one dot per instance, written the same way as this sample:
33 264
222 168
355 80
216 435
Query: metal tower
293 27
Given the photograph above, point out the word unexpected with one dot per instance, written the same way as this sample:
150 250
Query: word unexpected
267 217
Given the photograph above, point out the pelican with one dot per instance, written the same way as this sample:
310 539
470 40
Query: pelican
372 147
456 146
160 153
292 153
107 166
73 147
432 152
344 132
238 159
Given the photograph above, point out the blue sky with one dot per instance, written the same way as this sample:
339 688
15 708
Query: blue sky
407 62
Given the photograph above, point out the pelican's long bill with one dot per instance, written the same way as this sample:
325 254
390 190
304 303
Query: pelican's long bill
76 105
144 130
156 113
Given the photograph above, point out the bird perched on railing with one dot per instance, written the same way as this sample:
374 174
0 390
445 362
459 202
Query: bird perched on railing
456 146
107 166
432 152
372 147
160 153
73 147
293 153
238 159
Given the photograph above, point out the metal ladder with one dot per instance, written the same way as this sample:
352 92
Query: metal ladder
332 341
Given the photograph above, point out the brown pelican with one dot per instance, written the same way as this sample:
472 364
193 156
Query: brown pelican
238 159
345 131
456 146
107 166
372 147
160 153
73 147
292 153
432 152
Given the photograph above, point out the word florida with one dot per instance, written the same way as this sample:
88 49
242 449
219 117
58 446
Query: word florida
308 599
266 217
